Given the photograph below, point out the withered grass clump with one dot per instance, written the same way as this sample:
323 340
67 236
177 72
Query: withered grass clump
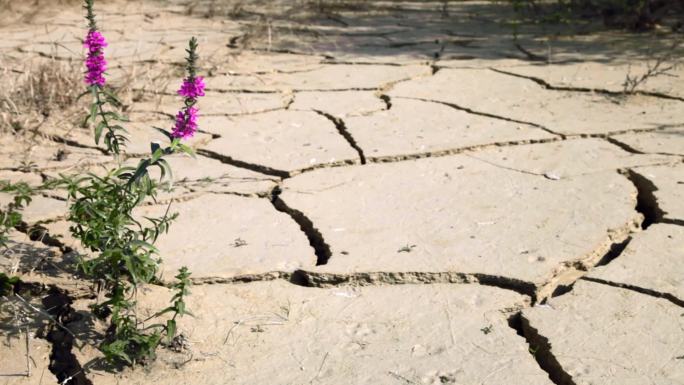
32 94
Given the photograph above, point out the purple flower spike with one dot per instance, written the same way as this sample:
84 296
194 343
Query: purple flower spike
186 123
192 88
95 62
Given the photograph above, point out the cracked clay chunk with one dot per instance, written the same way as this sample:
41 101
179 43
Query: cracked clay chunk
223 236
278 333
213 104
605 335
415 127
340 103
458 214
653 260
337 77
13 353
602 76
285 141
566 158
568 113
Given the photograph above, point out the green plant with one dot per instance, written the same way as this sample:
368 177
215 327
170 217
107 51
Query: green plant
7 284
103 218
11 217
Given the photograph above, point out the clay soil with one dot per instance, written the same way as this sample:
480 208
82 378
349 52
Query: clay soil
385 192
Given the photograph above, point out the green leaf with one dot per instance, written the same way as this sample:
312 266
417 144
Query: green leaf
170 329
98 131
187 149
93 113
140 171
165 170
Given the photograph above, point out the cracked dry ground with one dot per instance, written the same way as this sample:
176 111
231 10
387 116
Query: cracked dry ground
393 195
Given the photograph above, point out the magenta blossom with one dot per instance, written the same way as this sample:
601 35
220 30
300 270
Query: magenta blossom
192 88
95 42
95 62
186 123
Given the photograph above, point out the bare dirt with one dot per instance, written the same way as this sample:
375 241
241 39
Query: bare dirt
400 192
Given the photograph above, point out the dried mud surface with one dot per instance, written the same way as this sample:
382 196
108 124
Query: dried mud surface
384 192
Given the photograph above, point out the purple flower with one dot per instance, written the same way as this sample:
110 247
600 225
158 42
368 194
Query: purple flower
95 62
95 42
192 88
186 123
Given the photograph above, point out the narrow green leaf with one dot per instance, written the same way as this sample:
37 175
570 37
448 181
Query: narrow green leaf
98 131
170 329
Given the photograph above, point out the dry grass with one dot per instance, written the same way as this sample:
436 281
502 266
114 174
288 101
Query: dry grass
17 12
35 92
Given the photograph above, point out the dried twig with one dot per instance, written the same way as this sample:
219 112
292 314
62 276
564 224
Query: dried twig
28 353
35 309
663 65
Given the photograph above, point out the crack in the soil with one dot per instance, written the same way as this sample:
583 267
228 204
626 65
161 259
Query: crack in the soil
565 275
552 87
455 151
540 348
246 165
623 146
370 63
390 158
342 129
485 114
387 100
288 51
614 251
314 279
647 204
316 240
324 279
73 143
642 290
63 363
38 233
670 221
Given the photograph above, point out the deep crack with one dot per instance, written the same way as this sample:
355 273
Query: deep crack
63 363
321 248
540 348
647 204
342 129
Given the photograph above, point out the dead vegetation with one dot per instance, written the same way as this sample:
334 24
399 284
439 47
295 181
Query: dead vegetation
17 12
657 66
35 92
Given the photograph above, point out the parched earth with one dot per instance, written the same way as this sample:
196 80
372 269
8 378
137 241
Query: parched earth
384 193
